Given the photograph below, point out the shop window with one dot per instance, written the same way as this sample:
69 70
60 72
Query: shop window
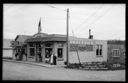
32 51
115 52
99 50
60 53
48 52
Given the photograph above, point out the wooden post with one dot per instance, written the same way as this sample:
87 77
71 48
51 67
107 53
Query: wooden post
78 55
67 41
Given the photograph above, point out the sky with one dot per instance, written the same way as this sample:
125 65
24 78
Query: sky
106 21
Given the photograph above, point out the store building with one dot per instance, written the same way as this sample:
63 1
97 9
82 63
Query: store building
80 49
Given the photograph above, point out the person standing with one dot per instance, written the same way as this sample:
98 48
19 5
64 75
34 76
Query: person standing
54 59
40 57
20 55
26 56
16 55
51 59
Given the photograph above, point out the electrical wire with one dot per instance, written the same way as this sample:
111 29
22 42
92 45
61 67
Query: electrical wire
55 7
89 18
97 19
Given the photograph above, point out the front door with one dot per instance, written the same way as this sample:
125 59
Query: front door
60 53
48 52
32 52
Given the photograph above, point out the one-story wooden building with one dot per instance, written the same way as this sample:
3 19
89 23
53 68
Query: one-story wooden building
88 50
81 50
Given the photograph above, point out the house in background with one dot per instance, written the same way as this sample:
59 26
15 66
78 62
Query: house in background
116 53
7 49
18 44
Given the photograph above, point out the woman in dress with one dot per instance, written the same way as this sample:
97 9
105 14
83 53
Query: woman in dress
51 59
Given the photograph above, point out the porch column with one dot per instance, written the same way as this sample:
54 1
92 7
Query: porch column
28 52
55 48
36 58
43 52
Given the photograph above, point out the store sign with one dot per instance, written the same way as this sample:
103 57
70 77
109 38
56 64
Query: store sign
81 47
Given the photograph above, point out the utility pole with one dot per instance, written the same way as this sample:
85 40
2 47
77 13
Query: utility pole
67 40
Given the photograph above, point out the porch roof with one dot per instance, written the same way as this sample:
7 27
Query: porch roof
44 39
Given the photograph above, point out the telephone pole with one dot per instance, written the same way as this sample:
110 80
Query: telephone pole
67 40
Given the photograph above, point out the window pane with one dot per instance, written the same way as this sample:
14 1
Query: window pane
100 51
60 53
97 52
118 53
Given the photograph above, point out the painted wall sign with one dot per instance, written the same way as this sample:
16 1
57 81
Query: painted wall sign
81 47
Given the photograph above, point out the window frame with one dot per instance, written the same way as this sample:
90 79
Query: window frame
99 50
62 53
117 52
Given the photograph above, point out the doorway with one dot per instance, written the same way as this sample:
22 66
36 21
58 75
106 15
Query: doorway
32 53
48 52
60 52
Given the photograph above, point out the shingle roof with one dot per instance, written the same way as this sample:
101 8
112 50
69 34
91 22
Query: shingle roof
49 37
22 38
40 35
46 39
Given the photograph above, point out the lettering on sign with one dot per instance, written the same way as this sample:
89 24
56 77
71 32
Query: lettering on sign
81 47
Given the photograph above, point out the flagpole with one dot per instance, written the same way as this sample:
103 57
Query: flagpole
39 26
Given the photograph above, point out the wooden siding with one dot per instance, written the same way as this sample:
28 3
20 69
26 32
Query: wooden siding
113 60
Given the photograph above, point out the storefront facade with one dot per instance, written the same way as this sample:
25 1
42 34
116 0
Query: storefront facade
45 49
40 47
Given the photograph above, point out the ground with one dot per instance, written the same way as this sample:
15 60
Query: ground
20 71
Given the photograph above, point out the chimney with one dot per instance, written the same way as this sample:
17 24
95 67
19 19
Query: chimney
90 36
89 32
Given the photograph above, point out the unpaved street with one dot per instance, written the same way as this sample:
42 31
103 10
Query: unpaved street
19 71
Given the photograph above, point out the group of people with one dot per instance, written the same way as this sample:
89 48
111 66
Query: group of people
19 55
52 60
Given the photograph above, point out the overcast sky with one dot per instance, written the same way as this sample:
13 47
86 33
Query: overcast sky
106 21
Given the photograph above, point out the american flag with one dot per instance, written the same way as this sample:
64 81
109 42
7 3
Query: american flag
39 26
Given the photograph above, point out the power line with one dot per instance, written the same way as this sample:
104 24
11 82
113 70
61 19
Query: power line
56 8
103 14
89 18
